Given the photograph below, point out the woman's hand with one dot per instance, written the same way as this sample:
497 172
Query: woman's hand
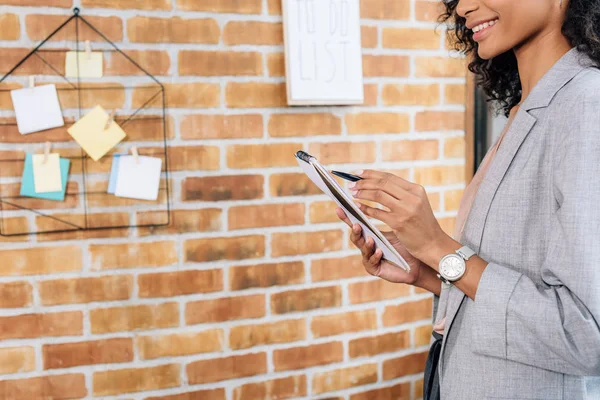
371 256
410 215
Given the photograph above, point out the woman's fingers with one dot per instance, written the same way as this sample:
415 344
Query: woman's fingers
342 215
375 259
356 236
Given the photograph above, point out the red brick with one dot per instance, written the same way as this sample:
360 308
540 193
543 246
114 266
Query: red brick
377 123
246 336
11 28
130 380
386 66
220 63
130 318
308 356
255 95
455 94
344 378
15 295
382 9
403 366
276 64
68 386
127 4
40 260
455 147
323 212
173 30
222 188
369 36
222 6
225 309
423 335
400 391
180 221
266 275
252 32
17 359
329 269
306 299
68 323
440 67
373 345
208 394
411 94
221 369
411 38
194 158
133 255
292 184
263 216
222 126
155 62
39 27
168 284
282 388
179 95
439 175
407 312
289 125
376 290
427 10
106 351
100 220
53 3
354 321
288 244
228 248
439 120
343 152
410 150
262 155
179 344
85 290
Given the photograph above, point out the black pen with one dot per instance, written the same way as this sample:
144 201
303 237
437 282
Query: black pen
348 177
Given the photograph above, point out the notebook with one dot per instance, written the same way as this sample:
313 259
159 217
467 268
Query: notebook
328 185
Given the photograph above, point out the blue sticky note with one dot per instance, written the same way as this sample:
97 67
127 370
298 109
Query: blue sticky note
28 187
114 172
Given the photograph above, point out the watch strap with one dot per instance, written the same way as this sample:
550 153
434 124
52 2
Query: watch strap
465 252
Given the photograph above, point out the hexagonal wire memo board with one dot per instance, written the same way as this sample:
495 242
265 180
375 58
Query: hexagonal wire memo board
138 102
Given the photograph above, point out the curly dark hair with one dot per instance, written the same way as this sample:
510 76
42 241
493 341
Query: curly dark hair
499 77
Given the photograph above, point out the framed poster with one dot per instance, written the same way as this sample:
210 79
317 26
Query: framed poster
323 55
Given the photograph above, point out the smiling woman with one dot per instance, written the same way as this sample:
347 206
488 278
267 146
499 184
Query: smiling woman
516 299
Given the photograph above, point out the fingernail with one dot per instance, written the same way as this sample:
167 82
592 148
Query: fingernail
351 185
358 173
359 205
354 192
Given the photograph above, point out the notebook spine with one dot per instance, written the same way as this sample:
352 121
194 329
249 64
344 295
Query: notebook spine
304 156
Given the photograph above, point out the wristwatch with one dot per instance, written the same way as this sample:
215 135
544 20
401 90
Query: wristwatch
452 266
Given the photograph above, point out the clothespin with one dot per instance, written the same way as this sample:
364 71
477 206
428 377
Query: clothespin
88 49
135 154
111 118
46 152
31 81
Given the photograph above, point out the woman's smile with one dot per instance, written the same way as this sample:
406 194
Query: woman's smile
481 30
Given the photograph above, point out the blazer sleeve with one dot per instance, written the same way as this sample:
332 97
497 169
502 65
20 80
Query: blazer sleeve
554 326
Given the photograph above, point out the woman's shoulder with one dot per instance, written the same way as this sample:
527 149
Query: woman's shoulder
584 86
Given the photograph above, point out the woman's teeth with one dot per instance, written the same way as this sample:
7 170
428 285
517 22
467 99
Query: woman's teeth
484 25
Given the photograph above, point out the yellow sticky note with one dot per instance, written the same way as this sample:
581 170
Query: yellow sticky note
79 64
90 134
46 175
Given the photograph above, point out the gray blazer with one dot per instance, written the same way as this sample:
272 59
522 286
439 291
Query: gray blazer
533 331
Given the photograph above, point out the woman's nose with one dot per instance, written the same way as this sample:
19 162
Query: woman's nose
465 7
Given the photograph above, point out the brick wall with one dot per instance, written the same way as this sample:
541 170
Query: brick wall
254 290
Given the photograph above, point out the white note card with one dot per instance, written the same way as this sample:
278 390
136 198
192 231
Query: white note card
37 109
138 179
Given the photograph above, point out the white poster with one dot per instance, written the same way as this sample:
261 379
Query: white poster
323 52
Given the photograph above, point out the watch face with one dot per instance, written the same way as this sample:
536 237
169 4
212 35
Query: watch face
452 267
